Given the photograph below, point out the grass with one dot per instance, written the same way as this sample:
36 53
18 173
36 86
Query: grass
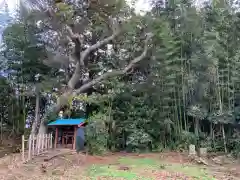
192 171
137 165
114 172
110 171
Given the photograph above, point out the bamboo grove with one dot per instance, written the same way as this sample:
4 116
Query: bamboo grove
192 87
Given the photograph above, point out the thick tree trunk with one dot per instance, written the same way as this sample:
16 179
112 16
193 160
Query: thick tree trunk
224 138
44 120
63 100
42 128
196 128
37 119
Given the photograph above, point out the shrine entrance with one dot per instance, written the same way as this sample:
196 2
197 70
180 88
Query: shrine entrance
66 137
66 132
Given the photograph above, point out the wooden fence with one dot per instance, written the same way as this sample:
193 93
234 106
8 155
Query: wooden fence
35 145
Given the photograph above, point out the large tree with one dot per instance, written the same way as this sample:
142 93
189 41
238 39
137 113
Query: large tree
75 32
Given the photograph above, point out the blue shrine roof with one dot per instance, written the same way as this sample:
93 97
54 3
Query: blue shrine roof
71 122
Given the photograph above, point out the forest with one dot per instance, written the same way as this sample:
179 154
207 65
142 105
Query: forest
154 81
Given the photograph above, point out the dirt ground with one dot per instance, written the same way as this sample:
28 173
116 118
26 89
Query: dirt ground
68 165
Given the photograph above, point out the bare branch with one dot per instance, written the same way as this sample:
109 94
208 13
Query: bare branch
116 31
139 58
76 75
73 36
116 72
78 39
80 66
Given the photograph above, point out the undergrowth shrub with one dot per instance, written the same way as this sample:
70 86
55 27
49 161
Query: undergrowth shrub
186 138
138 141
96 134
234 144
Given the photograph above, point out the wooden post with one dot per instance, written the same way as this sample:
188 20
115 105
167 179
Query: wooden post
46 141
48 138
51 138
74 137
42 148
56 138
29 147
38 144
23 141
42 142
33 142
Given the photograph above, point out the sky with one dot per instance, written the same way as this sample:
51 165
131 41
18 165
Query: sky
12 4
141 5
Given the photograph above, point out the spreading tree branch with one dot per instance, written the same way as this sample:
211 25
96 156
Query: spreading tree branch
80 66
116 72
63 99
116 30
77 39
